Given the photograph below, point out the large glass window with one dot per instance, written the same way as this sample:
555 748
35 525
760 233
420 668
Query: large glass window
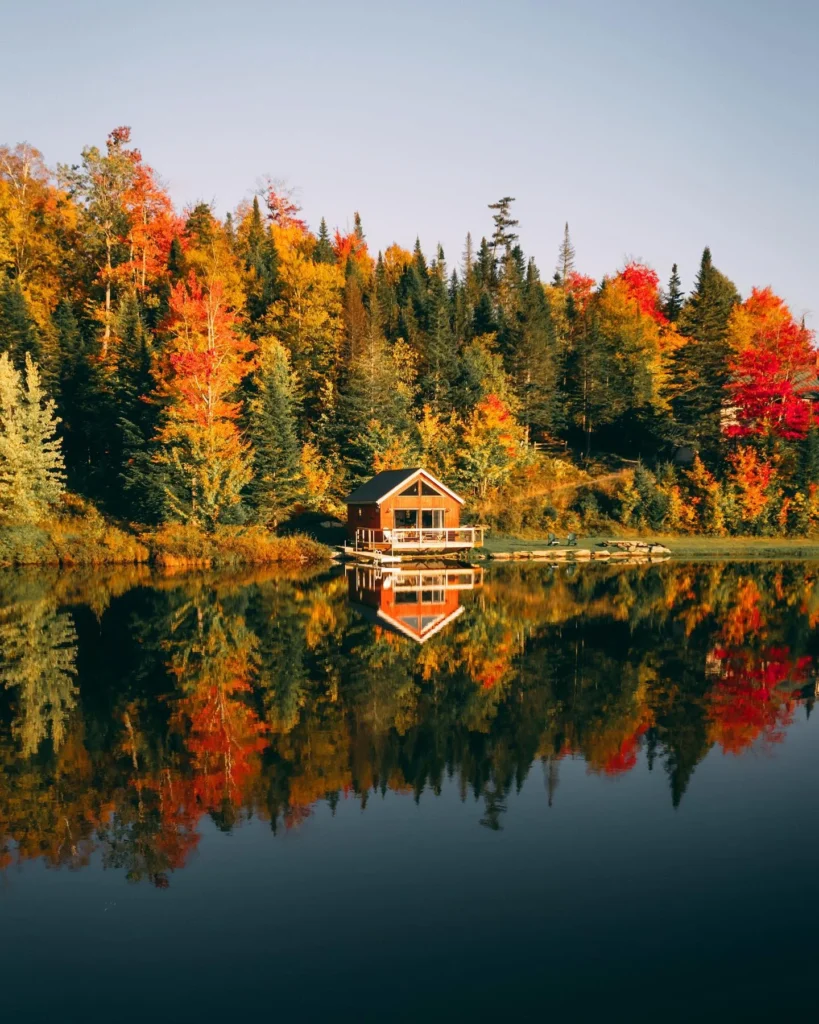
411 491
429 490
432 519
405 518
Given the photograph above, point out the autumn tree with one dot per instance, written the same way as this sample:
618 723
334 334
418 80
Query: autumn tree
773 385
101 184
200 444
31 459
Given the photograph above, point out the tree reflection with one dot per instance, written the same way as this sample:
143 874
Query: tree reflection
265 695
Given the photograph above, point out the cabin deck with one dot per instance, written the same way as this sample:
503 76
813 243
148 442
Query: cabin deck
395 545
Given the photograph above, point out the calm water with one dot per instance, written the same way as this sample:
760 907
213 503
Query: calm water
448 796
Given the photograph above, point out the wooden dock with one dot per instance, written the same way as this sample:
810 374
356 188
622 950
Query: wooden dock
631 552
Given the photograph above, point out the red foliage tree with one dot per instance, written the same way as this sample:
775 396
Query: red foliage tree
773 384
643 286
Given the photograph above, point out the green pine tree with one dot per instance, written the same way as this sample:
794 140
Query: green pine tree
272 419
535 361
503 237
18 332
674 298
323 251
262 263
809 460
700 369
565 258
141 497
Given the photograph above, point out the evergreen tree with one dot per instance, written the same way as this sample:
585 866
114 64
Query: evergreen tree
700 369
441 352
484 320
323 251
273 435
485 269
535 363
142 491
32 476
809 461
18 332
674 298
565 258
375 401
503 236
73 390
261 262
177 265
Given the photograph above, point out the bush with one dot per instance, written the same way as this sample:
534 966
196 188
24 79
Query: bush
86 540
184 545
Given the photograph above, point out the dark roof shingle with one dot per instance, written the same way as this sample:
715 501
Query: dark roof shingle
381 484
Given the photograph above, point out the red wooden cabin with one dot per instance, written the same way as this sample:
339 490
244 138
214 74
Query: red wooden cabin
407 511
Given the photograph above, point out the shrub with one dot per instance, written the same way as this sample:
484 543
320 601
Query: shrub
182 544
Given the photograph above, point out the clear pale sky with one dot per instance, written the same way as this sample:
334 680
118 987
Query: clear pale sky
653 127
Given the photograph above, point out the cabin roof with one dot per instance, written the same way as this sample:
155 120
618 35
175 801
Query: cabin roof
387 482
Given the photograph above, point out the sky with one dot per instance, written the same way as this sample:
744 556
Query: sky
653 127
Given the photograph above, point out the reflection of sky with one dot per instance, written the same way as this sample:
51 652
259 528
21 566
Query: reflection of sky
609 901
653 128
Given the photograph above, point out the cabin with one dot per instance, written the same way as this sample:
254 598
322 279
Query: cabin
405 512
416 601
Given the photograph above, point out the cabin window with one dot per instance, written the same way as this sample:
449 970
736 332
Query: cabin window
411 491
432 519
405 518
429 490
432 597
406 597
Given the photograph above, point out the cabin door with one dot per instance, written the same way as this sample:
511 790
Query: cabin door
432 519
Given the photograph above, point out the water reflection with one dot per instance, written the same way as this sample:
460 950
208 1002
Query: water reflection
133 707
416 601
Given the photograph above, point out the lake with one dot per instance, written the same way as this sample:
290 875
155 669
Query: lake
445 794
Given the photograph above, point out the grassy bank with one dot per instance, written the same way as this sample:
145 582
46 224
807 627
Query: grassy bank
89 539
716 548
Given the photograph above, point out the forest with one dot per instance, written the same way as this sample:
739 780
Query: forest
174 373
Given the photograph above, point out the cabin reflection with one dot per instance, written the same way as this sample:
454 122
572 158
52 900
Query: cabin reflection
416 601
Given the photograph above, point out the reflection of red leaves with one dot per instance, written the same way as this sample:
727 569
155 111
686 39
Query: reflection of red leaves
224 736
751 701
625 757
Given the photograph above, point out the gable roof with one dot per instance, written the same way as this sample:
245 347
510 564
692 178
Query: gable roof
387 482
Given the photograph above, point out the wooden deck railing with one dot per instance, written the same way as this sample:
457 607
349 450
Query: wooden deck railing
420 539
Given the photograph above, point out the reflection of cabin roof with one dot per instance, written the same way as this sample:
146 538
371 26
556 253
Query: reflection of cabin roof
415 632
387 482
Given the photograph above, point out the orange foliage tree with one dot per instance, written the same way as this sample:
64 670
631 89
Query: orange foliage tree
206 360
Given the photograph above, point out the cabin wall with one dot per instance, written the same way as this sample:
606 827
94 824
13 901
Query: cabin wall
452 514
362 517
